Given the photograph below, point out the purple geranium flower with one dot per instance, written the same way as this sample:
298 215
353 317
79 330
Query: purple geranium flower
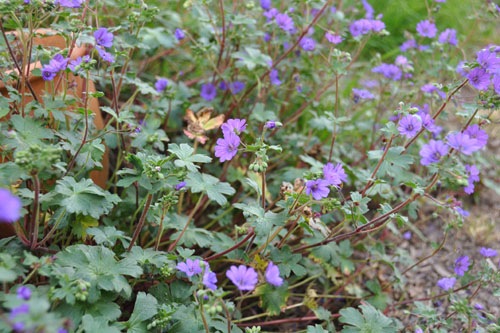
461 265
273 275
488 60
462 211
475 132
190 267
265 4
390 71
407 45
106 56
318 188
208 92
10 207
462 143
360 27
24 293
430 88
426 29
236 87
75 64
103 37
244 278
271 124
179 34
410 125
488 252
69 3
358 94
334 175
234 125
472 177
333 38
432 152
21 309
479 78
180 186
274 78
284 22
307 44
226 148
448 36
446 283
271 13
210 279
161 84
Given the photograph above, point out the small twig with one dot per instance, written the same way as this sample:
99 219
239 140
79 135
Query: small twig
142 219
232 248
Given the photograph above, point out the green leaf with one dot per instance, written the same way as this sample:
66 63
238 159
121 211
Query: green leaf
146 307
186 158
272 299
108 236
393 162
288 262
213 187
370 320
251 57
92 324
146 256
316 329
85 197
29 130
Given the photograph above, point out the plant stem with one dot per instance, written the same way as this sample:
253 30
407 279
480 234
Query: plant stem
198 204
142 219
34 218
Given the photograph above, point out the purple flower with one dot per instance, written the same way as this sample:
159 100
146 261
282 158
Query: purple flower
307 44
430 88
390 71
318 188
265 4
267 37
472 177
496 83
462 143
426 29
208 92
407 45
55 65
19 327
377 25
210 279
418 330
69 3
21 309
179 34
236 87
448 36
234 125
428 123
284 22
432 152
103 37
223 86
488 60
75 64
10 207
334 175
461 265
368 8
407 235
271 13
190 267
358 94
106 56
479 78
462 211
161 84
488 252
23 292
273 275
271 124
402 62
360 27
333 38
180 186
226 148
62 330
446 283
475 132
410 125
273 77
478 307
244 278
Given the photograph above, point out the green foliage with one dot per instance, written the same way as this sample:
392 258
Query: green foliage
368 320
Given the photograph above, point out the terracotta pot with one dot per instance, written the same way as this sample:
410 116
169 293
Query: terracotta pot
75 85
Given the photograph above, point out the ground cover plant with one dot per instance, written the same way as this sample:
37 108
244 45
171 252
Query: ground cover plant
244 166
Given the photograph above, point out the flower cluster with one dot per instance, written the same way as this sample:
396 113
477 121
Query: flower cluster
246 278
195 267
104 39
365 26
227 146
333 175
487 74
57 64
